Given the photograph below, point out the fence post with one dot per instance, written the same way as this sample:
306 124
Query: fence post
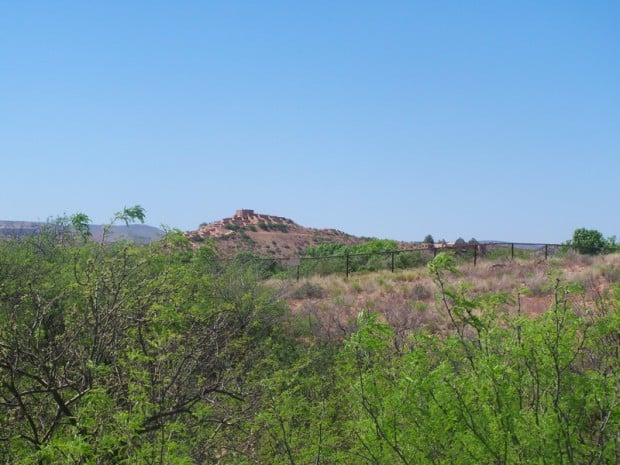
546 251
512 251
298 266
434 251
393 262
475 254
347 265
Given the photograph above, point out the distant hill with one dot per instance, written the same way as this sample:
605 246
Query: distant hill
139 233
19 228
265 235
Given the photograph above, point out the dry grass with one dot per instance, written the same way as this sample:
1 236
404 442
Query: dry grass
329 305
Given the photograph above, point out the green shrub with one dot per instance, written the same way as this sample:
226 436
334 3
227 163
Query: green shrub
591 242
411 259
273 227
325 250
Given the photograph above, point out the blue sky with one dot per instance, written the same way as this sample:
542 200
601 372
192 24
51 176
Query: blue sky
494 120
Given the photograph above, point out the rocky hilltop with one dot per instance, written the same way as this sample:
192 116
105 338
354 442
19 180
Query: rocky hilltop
264 235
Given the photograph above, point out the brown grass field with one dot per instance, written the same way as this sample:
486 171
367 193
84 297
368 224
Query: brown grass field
408 299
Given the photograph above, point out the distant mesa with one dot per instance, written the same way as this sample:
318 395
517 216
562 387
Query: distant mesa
264 235
19 228
139 233
243 218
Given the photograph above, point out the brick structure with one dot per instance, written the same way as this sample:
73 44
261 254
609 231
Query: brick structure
244 213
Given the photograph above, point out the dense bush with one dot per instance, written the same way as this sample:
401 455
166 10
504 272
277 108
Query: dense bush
591 242
373 255
119 353
326 250
160 354
498 388
263 268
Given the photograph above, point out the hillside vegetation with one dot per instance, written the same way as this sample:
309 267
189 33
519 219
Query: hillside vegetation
164 354
264 235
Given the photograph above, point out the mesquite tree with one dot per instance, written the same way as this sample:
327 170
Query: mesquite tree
120 353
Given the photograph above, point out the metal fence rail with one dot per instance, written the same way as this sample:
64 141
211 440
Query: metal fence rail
304 266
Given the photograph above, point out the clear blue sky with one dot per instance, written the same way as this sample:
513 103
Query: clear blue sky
392 119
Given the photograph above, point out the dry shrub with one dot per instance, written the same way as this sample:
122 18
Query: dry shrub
326 321
409 275
537 284
611 273
329 305
418 291
572 260
608 266
307 290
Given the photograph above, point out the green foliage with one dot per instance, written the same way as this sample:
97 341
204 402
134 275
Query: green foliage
373 255
262 268
442 263
591 242
130 215
322 265
281 227
80 223
410 259
374 246
120 353
501 389
325 250
160 354
505 252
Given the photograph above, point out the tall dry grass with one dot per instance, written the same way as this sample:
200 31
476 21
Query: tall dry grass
327 306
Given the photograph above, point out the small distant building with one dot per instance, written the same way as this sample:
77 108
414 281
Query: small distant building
243 213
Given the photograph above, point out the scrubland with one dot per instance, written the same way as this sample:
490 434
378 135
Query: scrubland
407 299
161 354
